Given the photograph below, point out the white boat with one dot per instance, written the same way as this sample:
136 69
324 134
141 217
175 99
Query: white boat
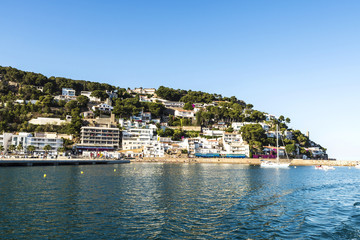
324 167
357 166
277 164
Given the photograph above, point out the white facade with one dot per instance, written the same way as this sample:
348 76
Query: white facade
237 148
103 107
147 91
5 140
184 113
234 144
68 92
209 146
64 98
143 139
44 121
170 104
112 94
213 133
99 138
136 138
39 141
238 125
91 98
154 149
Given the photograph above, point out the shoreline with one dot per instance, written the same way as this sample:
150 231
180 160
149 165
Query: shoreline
247 161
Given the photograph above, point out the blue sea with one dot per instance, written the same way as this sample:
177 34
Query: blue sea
178 201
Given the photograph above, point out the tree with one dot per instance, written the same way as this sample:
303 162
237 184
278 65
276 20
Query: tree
249 106
290 149
1 148
71 105
229 129
100 94
47 148
188 106
31 149
19 147
169 93
82 101
12 148
281 118
287 120
255 135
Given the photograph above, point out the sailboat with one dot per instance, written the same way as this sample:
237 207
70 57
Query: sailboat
277 164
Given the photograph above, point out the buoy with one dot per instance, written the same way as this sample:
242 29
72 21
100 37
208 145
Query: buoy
44 175
82 172
114 170
295 167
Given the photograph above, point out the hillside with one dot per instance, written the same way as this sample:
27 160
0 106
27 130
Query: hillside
27 95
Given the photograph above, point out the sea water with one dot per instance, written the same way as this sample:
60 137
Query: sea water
178 201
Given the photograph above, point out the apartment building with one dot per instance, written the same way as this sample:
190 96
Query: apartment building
99 139
39 141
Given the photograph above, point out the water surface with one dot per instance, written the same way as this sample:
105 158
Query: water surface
178 201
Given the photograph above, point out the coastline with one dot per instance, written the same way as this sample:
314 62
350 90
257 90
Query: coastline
248 161
85 161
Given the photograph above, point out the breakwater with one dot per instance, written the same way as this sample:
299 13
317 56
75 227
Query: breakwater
249 161
55 162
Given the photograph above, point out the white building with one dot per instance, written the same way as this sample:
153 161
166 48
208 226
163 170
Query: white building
39 88
103 107
184 113
169 104
154 149
68 92
209 146
39 141
64 98
316 151
213 133
234 144
146 91
5 140
91 98
45 121
112 94
144 140
136 138
238 125
26 101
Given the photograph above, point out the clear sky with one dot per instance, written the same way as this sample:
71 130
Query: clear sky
300 59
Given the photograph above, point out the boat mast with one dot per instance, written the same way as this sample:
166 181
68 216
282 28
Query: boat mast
277 144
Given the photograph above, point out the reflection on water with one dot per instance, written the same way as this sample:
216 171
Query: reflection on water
179 201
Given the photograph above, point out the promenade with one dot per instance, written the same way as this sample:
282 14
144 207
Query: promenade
249 161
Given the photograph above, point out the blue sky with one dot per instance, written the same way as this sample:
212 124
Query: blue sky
296 58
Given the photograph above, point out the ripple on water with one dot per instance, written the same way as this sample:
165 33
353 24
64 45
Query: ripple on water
179 201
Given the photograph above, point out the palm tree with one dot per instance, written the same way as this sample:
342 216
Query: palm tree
31 149
12 148
47 148
1 148
19 148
